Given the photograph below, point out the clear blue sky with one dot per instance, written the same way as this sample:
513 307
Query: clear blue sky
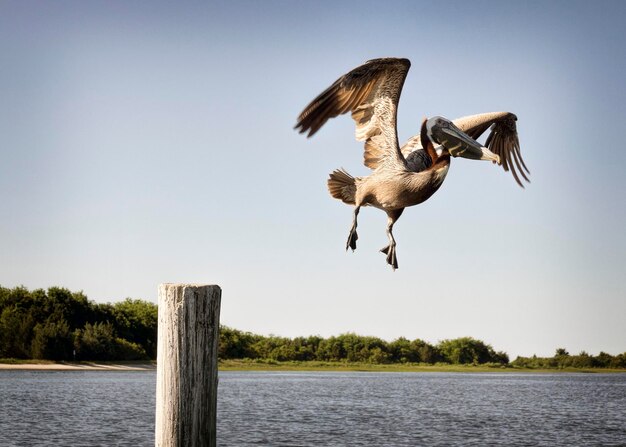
144 142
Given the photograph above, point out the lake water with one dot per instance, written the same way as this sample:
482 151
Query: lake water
325 409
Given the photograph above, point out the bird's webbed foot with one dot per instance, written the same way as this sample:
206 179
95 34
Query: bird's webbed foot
352 238
390 251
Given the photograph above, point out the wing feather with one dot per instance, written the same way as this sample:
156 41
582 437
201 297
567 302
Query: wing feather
371 93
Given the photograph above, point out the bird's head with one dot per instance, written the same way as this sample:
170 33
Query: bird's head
442 131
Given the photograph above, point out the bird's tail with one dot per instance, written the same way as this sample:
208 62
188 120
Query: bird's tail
341 185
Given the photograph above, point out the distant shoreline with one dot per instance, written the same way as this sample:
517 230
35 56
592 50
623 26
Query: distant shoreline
251 365
78 366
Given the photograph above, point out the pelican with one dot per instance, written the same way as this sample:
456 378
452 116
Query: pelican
408 175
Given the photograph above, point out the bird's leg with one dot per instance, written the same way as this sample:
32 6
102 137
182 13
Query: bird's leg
390 250
352 237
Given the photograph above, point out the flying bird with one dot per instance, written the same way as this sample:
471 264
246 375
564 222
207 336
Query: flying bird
408 175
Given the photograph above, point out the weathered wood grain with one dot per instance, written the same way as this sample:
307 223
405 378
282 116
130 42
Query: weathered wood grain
186 401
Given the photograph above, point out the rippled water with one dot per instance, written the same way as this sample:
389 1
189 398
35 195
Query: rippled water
76 408
325 409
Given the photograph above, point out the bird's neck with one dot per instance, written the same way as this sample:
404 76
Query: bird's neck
427 144
440 168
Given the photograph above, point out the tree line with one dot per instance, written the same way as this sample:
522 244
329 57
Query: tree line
562 359
61 325
236 344
57 324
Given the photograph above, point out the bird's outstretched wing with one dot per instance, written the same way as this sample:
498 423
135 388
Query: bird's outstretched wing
502 140
371 92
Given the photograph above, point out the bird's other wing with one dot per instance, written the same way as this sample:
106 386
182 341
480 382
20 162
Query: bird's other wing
502 140
371 92
414 143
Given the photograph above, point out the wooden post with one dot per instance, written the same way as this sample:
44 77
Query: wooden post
186 400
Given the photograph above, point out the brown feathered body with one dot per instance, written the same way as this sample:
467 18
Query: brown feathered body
388 189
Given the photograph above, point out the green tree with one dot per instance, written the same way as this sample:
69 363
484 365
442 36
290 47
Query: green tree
235 344
126 350
561 358
137 321
95 342
400 351
425 352
331 349
52 341
500 357
377 355
61 304
359 348
305 348
466 350
273 348
602 360
16 327
619 361
582 360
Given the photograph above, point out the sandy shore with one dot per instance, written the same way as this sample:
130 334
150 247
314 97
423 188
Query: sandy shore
83 366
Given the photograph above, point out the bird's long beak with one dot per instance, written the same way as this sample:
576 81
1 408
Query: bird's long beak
459 144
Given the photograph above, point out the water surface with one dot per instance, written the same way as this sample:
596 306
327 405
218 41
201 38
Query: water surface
324 409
